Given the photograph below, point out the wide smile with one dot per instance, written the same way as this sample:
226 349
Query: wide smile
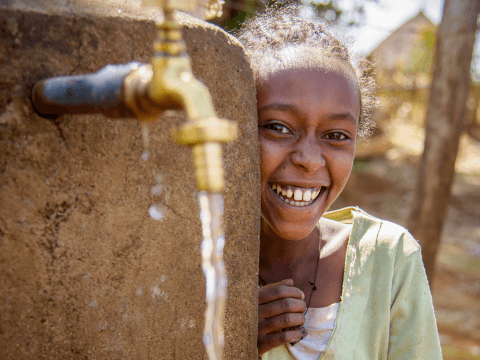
297 196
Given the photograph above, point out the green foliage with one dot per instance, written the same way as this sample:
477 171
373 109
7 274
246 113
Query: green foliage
329 10
326 9
236 21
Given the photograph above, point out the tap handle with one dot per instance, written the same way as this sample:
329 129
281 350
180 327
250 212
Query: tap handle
100 92
203 9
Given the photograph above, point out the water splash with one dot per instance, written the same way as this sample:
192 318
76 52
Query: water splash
156 212
157 189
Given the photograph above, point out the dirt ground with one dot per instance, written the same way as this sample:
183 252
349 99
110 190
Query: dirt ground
384 188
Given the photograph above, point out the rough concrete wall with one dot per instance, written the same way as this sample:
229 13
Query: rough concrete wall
85 273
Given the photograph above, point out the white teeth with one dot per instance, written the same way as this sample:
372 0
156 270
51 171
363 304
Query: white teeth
307 196
299 199
298 195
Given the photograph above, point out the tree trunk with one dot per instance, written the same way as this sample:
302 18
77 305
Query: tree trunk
444 123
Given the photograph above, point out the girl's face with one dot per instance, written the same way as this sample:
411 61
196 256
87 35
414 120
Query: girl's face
307 121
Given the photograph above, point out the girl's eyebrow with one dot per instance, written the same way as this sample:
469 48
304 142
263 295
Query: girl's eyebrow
279 107
343 116
293 109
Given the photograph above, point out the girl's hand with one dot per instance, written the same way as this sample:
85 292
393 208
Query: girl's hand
281 309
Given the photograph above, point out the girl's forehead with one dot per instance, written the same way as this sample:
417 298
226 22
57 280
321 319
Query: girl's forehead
317 90
308 79
299 57
305 61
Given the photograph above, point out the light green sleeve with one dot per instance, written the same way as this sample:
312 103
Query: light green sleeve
386 310
279 353
413 329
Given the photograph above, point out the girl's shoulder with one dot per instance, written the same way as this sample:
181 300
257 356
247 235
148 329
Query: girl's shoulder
371 234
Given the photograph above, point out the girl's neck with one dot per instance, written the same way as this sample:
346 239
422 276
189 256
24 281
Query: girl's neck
282 257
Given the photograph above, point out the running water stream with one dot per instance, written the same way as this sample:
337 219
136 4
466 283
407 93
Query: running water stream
211 214
211 217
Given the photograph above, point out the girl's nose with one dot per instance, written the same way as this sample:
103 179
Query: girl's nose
308 155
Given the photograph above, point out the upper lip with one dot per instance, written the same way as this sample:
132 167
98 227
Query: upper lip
304 185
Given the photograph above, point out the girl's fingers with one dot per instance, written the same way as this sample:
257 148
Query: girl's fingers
270 341
279 291
280 313
280 322
288 282
282 306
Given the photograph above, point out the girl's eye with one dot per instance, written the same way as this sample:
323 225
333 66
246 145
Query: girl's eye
336 136
281 129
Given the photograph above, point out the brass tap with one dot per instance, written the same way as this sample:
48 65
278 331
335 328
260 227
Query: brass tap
145 91
169 82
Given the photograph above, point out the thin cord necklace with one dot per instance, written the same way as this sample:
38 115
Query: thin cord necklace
313 284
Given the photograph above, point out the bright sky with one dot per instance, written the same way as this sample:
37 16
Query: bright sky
384 16
387 15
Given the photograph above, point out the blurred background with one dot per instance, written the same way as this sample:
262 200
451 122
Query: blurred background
400 37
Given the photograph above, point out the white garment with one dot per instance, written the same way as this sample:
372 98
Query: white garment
319 323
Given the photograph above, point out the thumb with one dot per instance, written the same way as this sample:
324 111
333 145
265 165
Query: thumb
287 282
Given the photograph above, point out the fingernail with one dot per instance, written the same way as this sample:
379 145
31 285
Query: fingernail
295 342
304 332
303 296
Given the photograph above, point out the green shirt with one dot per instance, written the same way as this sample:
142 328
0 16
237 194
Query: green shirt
386 309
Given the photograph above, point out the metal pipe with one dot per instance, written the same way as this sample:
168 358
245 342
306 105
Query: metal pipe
101 92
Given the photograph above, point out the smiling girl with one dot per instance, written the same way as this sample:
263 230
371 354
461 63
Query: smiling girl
337 285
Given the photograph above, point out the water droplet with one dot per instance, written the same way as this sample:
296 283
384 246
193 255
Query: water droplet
93 304
145 154
219 204
145 133
156 212
145 139
156 190
220 243
119 11
158 178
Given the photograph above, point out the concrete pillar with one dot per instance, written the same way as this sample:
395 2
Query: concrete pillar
85 273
